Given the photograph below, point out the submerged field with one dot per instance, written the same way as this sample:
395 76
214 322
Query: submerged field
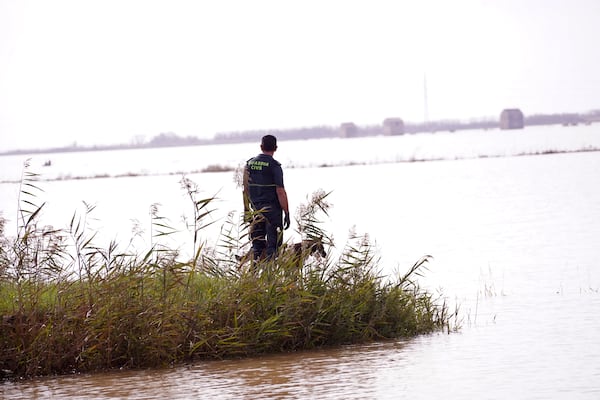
67 305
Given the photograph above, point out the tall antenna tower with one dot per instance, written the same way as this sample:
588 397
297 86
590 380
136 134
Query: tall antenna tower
425 103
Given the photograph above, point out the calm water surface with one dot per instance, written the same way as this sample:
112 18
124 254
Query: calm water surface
516 244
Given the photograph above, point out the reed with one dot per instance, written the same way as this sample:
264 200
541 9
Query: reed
67 305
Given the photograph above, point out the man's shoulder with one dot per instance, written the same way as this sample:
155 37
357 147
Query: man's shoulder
264 158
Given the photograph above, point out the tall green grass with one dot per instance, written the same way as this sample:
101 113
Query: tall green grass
67 305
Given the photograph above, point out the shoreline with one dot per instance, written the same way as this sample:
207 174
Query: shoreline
227 168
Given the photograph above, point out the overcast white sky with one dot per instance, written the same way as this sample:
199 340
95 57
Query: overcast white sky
106 71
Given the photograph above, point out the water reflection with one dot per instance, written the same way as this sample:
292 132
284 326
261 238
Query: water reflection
351 371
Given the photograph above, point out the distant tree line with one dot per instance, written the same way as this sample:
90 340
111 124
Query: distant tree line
449 125
564 119
315 132
171 139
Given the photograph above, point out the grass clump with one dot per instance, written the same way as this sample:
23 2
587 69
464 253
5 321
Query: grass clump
69 306
217 168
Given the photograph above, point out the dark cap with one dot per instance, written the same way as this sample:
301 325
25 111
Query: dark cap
269 143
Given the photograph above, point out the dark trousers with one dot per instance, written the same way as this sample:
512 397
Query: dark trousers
266 231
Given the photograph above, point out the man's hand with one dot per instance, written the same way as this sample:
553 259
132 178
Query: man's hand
286 220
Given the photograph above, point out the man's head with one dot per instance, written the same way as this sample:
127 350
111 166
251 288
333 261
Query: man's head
268 143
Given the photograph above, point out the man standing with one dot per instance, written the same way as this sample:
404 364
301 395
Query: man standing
265 194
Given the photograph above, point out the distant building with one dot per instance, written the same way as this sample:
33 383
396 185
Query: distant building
393 126
592 116
348 129
511 118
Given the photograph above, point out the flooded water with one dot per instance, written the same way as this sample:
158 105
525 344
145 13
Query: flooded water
516 246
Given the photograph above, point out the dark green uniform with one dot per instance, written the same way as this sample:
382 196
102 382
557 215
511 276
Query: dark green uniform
264 176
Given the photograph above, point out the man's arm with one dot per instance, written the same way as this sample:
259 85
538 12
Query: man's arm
246 195
283 202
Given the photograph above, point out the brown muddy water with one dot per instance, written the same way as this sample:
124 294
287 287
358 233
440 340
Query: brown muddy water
351 372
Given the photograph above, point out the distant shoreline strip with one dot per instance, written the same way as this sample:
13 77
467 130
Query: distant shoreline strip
220 168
